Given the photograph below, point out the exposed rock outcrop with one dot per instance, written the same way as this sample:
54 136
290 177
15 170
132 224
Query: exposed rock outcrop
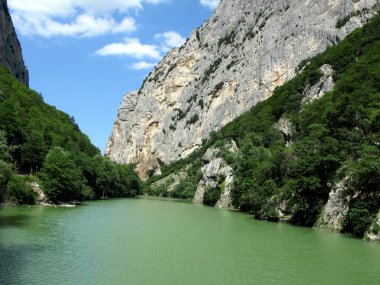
319 89
10 48
325 84
284 211
285 126
374 232
41 197
336 208
216 173
171 181
233 61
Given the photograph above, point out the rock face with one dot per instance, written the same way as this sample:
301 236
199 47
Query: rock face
216 173
171 181
233 61
41 197
10 48
374 232
325 84
336 208
285 126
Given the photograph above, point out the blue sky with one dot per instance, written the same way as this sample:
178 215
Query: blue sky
84 55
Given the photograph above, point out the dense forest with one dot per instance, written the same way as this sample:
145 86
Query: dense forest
334 138
40 143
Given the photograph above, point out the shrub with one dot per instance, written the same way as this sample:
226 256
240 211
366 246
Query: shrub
20 191
5 175
211 196
357 221
172 127
192 120
211 69
201 103
376 229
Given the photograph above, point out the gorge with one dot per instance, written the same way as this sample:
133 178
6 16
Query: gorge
270 108
251 114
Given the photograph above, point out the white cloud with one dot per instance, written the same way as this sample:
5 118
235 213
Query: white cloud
131 47
212 4
81 18
169 40
84 25
142 65
127 25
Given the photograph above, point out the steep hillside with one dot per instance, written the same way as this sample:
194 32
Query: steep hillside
10 49
33 127
309 154
233 61
47 144
36 138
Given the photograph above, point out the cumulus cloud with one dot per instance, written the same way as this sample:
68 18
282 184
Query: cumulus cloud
83 25
82 18
131 47
212 4
142 65
170 40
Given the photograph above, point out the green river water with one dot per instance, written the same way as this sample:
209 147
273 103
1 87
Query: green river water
146 241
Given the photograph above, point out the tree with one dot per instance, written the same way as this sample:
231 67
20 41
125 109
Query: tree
4 148
62 179
5 167
5 174
20 191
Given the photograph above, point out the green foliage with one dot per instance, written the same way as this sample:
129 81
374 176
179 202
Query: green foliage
227 40
32 127
179 116
184 190
5 166
192 120
339 131
376 229
364 171
193 98
201 103
343 21
231 64
251 34
20 190
5 175
198 35
4 148
62 179
116 180
40 136
107 178
329 132
68 177
223 186
172 127
358 219
211 69
211 196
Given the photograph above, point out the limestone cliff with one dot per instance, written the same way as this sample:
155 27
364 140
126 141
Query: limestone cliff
216 173
336 208
233 61
10 48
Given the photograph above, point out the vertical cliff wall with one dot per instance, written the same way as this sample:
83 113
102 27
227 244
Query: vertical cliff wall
233 61
10 48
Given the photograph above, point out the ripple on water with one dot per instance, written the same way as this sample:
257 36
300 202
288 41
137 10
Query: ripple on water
141 241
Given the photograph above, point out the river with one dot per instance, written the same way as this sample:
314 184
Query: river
149 241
